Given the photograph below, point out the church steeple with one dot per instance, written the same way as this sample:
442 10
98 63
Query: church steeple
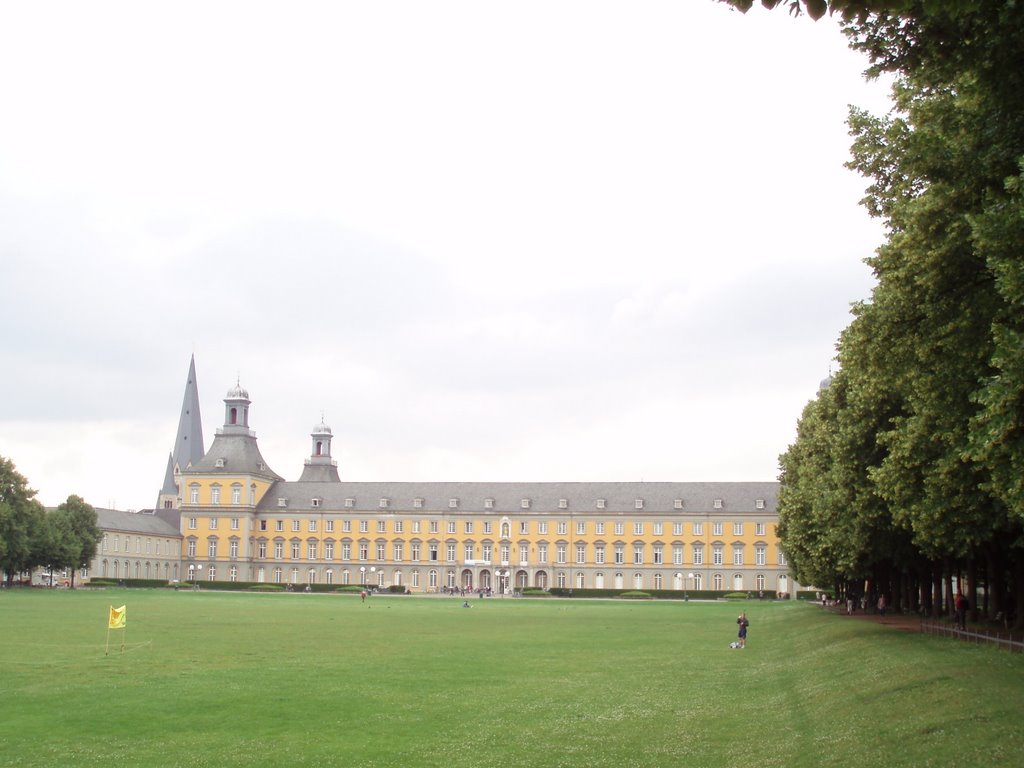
188 444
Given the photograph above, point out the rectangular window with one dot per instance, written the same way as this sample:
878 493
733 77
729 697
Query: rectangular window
328 550
698 555
329 526
760 554
677 529
467 527
364 551
215 495
211 549
295 550
524 528
213 523
524 554
677 554
698 529
311 550
599 529
658 554
737 555
396 551
278 550
261 550
192 524
620 554
450 553
346 551
382 526
346 526
433 526
638 529
488 527
542 553
717 555
236 496
467 552
581 528
234 523
737 529
233 549
562 529
638 554
487 552
414 552
191 548
364 526
581 554
599 555
416 525
658 528
380 552
716 529
542 528
432 551
451 526
312 526
193 497
620 529
399 527
759 529
279 525
560 553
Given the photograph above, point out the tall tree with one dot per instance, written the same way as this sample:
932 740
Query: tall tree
80 534
22 522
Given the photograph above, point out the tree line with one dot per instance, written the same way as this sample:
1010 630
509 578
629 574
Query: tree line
907 474
32 536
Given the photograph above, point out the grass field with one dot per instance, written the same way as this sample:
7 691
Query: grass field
218 679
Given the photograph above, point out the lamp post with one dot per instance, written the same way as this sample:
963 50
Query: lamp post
504 580
689 576
194 572
362 573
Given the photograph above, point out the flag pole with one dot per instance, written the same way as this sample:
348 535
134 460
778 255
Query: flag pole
106 650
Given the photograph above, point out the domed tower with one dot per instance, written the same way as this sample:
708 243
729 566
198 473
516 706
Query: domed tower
320 467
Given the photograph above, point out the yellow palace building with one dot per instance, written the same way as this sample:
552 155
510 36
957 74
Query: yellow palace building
241 521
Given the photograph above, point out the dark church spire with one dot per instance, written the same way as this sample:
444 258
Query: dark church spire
188 445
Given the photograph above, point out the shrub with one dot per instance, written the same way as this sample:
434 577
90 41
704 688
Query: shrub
635 595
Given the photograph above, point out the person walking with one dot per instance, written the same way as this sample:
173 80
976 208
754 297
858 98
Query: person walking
743 624
961 611
881 606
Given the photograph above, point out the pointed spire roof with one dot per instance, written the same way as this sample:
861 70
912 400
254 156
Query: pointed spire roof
188 445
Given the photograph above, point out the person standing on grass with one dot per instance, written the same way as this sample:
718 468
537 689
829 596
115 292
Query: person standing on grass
961 611
743 624
881 606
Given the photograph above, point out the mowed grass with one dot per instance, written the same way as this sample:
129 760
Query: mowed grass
217 679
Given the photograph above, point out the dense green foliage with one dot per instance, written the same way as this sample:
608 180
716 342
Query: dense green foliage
219 679
909 469
30 537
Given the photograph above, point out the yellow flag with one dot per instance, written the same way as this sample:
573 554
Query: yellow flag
118 617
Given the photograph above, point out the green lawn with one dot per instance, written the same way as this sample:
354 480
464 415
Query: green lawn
220 679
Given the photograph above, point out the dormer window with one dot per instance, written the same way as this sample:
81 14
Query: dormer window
718 503
417 503
350 503
453 503
384 503
524 504
282 502
759 504
220 463
679 504
563 503
600 503
488 503
638 504
316 502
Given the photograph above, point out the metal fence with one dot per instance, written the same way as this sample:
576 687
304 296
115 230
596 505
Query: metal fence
1005 640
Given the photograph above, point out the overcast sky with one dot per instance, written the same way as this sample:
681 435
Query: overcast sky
496 241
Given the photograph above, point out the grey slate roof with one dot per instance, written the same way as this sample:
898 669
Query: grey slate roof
239 453
739 497
134 522
188 444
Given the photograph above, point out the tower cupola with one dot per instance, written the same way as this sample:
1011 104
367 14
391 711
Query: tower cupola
320 467
236 408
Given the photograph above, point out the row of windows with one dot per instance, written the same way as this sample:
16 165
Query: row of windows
417 503
561 552
433 579
544 527
112 543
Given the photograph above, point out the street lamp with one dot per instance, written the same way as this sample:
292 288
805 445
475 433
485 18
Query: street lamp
362 573
689 576
194 572
504 581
